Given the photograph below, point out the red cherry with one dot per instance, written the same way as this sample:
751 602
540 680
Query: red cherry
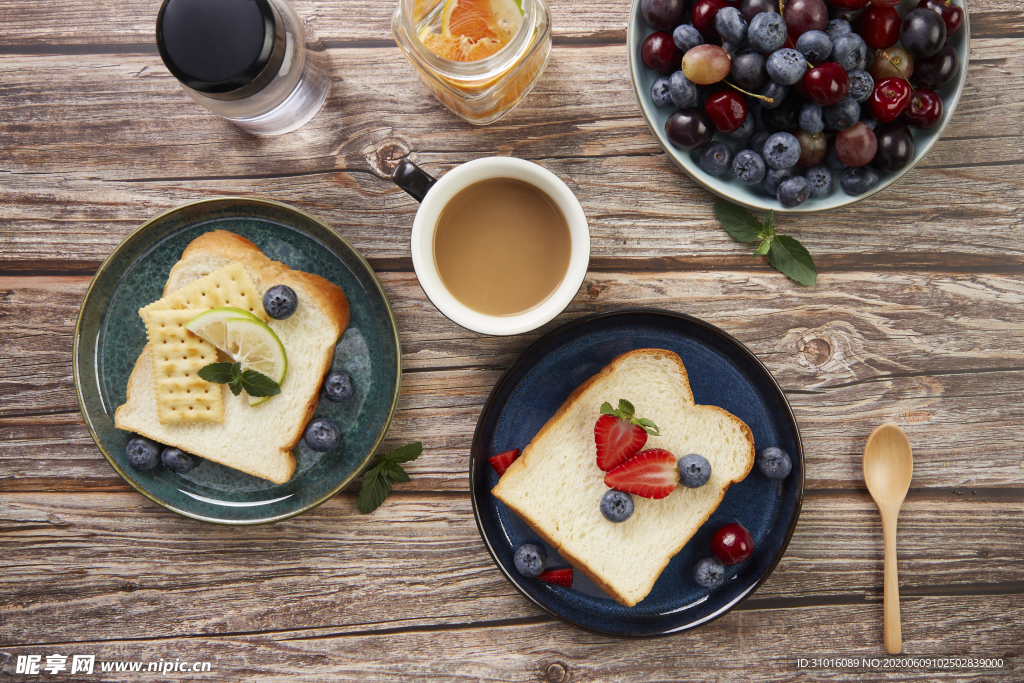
879 27
850 4
703 17
732 544
924 110
952 15
804 15
727 109
826 84
660 53
889 99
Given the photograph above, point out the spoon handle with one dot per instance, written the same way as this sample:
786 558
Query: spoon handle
891 597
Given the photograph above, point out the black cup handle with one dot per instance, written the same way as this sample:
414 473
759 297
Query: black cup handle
412 179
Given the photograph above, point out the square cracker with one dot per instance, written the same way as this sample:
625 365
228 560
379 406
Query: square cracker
229 286
182 397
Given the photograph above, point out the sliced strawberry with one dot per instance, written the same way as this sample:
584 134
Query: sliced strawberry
651 474
559 577
620 435
501 461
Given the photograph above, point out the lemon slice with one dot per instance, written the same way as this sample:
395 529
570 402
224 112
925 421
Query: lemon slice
246 339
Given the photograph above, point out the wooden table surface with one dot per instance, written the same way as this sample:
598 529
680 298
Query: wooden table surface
917 318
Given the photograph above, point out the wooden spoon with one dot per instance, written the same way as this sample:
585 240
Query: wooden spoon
888 466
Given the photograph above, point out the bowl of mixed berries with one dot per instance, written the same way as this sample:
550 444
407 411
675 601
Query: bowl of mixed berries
797 105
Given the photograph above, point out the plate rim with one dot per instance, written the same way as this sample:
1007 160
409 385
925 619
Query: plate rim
585 319
632 35
254 201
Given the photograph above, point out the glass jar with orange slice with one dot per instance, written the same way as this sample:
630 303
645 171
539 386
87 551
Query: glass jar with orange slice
479 57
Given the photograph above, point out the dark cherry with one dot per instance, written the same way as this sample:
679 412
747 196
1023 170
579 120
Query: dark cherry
783 118
804 15
689 128
850 4
660 53
879 27
938 70
727 109
889 99
924 110
856 145
732 544
895 147
812 148
703 17
751 8
826 84
952 15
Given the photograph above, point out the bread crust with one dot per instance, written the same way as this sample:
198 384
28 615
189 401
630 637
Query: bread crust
523 462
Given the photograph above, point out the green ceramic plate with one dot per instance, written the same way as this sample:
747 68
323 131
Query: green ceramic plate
110 335
755 197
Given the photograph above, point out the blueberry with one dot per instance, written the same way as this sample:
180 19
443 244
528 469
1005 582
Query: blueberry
777 93
660 93
836 28
782 150
786 66
793 191
812 118
774 463
748 70
716 158
280 302
686 37
694 470
767 32
816 46
142 453
843 115
529 560
616 506
820 180
176 460
743 133
683 92
322 435
748 167
856 181
832 159
731 25
861 85
757 141
773 177
338 387
849 51
709 572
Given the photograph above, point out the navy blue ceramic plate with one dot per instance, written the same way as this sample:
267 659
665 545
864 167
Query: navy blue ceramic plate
110 336
722 372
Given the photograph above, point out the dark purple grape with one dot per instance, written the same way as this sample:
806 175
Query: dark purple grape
895 147
689 128
748 70
931 73
923 33
751 8
663 15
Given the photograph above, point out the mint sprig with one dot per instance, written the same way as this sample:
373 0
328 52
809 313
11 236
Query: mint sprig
785 254
253 382
378 479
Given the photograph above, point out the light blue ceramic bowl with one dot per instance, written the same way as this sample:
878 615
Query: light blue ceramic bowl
755 197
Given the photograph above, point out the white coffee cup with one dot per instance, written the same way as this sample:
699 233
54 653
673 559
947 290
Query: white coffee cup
433 195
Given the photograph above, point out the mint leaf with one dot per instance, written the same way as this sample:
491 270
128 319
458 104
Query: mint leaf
395 473
790 258
257 384
769 223
765 245
218 373
737 221
376 488
404 453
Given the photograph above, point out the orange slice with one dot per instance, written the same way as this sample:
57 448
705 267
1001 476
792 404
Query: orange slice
473 19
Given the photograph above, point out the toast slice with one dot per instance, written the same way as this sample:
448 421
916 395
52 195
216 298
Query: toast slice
556 485
257 440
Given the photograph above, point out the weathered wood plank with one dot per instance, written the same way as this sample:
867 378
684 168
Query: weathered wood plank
581 122
74 570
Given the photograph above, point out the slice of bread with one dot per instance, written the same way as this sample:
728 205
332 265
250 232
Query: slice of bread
556 485
257 440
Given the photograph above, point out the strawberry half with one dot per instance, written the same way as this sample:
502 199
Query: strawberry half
559 577
501 461
650 474
620 435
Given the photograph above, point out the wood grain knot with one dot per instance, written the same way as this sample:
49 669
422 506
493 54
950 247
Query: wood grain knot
557 672
594 291
386 156
130 587
817 351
